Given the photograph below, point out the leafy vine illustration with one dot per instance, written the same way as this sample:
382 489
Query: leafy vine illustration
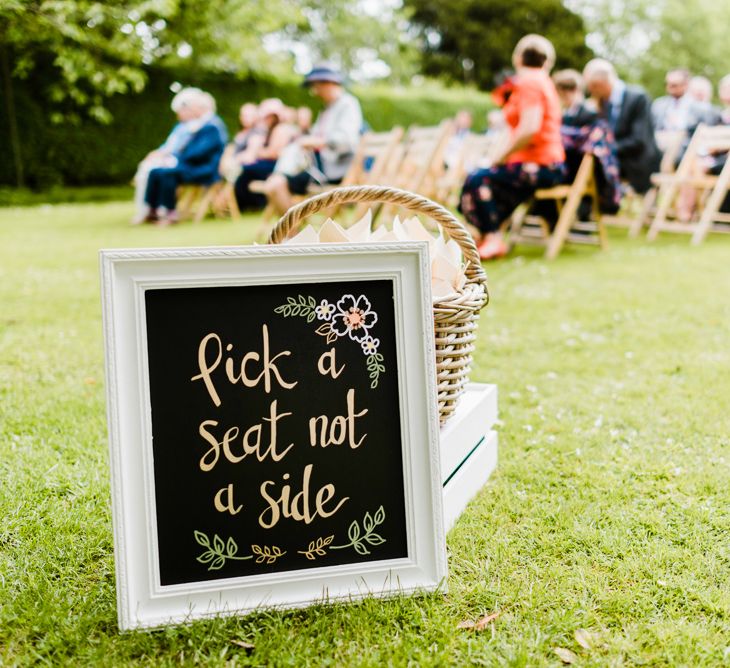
217 554
221 551
318 547
350 316
303 307
375 368
266 553
359 539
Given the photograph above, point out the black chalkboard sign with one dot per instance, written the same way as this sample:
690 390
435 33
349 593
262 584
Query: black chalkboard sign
275 428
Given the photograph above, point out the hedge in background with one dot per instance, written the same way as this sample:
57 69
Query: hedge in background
94 154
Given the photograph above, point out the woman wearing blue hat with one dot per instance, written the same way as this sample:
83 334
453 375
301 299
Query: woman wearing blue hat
324 155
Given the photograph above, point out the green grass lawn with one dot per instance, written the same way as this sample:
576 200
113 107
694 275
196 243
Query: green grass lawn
609 510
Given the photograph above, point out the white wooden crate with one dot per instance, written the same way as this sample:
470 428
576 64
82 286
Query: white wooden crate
468 446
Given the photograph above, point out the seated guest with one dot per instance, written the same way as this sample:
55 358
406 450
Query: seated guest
714 163
700 90
583 132
257 163
245 142
569 84
532 157
676 110
711 163
723 90
197 163
496 124
627 111
183 104
324 155
304 119
462 127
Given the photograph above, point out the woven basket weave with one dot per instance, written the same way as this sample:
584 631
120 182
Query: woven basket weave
456 316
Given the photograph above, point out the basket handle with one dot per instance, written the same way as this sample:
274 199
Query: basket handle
292 219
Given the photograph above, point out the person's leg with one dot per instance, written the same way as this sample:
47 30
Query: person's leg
257 171
489 196
168 183
141 209
476 202
277 193
152 192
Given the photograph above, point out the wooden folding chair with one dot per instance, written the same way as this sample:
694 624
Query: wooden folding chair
636 215
195 201
224 202
534 230
368 167
710 190
474 149
418 164
187 196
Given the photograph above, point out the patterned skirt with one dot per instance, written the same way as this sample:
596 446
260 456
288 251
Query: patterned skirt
489 196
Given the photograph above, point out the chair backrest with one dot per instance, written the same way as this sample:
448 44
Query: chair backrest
670 143
474 149
706 139
372 157
712 139
480 147
419 162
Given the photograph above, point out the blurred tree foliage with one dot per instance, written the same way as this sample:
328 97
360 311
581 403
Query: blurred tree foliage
77 54
646 38
91 153
104 48
472 40
357 34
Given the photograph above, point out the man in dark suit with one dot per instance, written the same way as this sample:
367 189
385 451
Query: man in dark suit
197 162
628 111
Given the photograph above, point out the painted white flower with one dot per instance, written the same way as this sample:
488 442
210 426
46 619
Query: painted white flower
370 345
353 317
325 310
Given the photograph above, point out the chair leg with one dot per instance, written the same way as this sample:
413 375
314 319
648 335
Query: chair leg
231 204
517 220
638 223
712 206
185 201
266 216
569 212
205 202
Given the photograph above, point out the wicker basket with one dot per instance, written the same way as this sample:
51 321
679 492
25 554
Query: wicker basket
456 316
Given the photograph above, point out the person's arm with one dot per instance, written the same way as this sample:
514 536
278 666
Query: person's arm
250 153
640 127
281 136
205 143
343 134
530 123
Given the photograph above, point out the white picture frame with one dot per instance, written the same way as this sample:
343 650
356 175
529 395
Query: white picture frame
125 276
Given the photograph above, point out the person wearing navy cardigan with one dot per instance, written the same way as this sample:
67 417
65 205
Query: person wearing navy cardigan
197 163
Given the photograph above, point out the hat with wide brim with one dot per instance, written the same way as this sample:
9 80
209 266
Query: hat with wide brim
324 73
272 106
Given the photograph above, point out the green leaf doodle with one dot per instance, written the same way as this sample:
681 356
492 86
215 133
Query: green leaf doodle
375 368
217 554
306 307
302 307
357 540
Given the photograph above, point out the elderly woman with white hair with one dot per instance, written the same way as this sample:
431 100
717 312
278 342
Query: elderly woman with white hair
195 163
184 106
531 158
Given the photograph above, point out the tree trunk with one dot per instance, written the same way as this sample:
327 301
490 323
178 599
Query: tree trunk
12 117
